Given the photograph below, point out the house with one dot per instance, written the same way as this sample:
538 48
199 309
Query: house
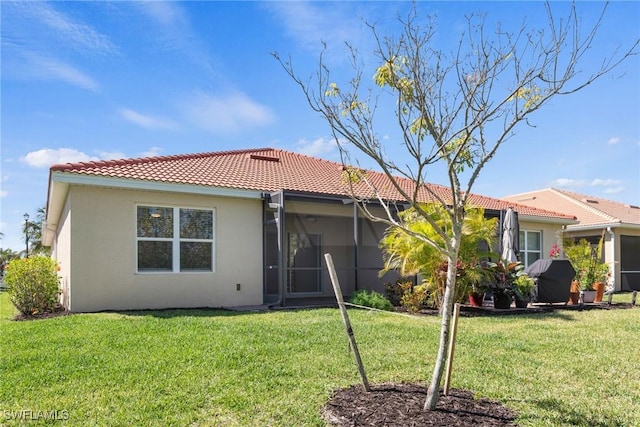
224 229
618 223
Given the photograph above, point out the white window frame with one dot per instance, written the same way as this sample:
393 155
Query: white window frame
523 246
176 240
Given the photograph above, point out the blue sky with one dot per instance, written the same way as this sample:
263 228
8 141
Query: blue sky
86 81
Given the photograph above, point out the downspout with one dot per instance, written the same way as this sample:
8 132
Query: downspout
612 264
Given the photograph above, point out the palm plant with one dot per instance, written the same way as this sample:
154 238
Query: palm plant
409 255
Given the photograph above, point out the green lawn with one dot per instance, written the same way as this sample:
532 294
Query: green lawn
210 367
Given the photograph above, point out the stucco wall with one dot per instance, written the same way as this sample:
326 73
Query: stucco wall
61 251
103 253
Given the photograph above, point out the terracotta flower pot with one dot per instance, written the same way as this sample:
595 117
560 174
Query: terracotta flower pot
599 288
475 299
574 293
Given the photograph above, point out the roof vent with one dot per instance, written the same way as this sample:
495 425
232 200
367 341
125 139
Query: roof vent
526 199
634 206
265 158
590 201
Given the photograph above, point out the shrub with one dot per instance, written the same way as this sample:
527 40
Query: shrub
371 299
393 291
33 285
413 297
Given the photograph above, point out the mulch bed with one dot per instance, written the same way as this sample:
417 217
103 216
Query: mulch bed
488 310
59 311
402 405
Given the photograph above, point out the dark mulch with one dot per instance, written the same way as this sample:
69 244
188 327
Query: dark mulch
488 310
402 405
59 311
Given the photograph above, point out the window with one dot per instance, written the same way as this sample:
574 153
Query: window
174 239
530 246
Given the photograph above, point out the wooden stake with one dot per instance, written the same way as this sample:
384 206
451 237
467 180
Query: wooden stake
452 347
345 319
633 297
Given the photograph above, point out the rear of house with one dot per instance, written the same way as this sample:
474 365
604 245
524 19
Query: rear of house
246 227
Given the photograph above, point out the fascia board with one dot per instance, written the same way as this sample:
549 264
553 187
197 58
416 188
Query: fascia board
547 220
602 226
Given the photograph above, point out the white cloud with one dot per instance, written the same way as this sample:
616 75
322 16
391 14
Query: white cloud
46 157
610 186
80 36
3 193
317 147
613 140
173 32
605 182
613 190
111 155
40 67
226 114
163 13
146 121
152 152
310 24
567 182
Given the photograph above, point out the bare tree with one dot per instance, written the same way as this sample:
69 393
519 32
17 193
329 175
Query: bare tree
454 109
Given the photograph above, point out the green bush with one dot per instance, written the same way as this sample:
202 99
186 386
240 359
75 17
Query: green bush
371 299
33 283
414 297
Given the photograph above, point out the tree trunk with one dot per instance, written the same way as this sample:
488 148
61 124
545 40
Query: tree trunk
433 393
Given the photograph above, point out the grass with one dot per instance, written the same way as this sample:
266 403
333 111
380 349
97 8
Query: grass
212 367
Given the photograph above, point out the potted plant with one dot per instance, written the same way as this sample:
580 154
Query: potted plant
522 287
474 279
585 261
502 286
602 277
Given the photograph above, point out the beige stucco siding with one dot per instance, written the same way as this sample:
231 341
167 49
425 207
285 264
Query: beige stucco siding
103 250
61 252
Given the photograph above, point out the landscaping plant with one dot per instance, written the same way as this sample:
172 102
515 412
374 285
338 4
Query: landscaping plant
371 299
34 285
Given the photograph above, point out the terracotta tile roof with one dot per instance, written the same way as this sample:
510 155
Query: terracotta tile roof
268 170
589 210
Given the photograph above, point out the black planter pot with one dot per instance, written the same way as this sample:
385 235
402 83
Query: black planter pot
502 301
522 302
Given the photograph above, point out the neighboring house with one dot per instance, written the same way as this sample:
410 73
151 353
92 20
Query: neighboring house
617 222
224 229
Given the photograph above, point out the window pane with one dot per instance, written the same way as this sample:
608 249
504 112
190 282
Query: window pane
195 256
532 257
155 222
155 256
196 224
533 241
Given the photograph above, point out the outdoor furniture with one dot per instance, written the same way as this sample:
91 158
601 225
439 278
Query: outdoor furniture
553 280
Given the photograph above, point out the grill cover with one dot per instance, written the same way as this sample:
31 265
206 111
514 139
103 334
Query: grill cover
553 279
